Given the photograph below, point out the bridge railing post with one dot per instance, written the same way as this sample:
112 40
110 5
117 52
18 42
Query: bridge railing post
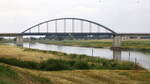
19 40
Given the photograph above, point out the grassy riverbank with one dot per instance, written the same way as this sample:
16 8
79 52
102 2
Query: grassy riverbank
50 60
47 67
9 76
141 45
7 41
28 76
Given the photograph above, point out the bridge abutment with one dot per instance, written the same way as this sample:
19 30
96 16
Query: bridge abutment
19 40
116 47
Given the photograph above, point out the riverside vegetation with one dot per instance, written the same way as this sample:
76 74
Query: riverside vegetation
9 76
61 61
47 67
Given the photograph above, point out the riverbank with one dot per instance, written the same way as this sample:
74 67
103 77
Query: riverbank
139 45
10 76
75 76
6 41
40 59
27 56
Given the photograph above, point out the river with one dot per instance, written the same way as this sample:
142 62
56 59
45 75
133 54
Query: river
142 58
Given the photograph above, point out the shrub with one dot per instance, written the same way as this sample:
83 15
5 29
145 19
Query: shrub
52 64
27 64
57 64
81 65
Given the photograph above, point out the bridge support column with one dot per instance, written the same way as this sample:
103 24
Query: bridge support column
138 37
19 40
116 48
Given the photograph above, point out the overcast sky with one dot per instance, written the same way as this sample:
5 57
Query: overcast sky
119 15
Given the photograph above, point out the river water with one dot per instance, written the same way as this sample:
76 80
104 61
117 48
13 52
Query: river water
142 58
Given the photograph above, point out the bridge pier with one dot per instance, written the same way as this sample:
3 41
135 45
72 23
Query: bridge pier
116 48
19 40
138 37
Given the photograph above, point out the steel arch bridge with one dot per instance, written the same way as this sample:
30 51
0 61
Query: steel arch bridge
75 27
73 22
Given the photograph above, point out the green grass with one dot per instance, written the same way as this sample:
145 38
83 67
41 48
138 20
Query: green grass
76 76
38 79
143 46
8 76
124 73
76 69
6 41
62 62
72 62
93 62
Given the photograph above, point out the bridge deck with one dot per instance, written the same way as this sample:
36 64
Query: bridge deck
38 34
10 34
134 34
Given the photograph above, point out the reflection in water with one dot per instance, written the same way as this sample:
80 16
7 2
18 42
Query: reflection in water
142 59
117 54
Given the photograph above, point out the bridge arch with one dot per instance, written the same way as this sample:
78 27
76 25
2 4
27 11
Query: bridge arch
79 19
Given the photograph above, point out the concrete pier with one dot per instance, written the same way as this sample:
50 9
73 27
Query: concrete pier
19 40
116 48
116 41
138 37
